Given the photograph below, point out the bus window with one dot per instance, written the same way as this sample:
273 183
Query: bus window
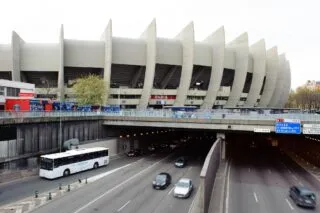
46 164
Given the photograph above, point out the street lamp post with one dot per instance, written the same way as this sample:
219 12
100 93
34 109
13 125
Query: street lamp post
60 128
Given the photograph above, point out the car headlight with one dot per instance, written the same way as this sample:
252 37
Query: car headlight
153 182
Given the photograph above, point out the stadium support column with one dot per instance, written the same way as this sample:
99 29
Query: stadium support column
287 86
222 137
16 43
271 76
259 54
60 94
150 37
217 42
186 37
241 49
107 38
280 82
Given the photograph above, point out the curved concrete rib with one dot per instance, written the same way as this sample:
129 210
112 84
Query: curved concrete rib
217 42
259 54
280 81
286 88
16 43
60 94
186 37
271 76
150 36
241 48
107 38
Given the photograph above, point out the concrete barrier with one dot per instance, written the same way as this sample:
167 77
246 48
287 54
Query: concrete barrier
207 178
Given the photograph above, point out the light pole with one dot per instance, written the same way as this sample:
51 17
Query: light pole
60 126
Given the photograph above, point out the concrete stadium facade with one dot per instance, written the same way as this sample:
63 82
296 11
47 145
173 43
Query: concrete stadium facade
153 72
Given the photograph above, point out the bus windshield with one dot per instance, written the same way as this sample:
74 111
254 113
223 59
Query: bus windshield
46 164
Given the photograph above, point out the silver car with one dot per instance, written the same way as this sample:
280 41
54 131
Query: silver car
183 188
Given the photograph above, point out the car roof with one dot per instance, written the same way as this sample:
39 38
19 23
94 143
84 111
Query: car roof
163 173
304 190
184 180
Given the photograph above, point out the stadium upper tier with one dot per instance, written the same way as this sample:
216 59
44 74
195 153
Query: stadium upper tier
155 72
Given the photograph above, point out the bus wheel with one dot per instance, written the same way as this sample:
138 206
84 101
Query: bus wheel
66 172
96 165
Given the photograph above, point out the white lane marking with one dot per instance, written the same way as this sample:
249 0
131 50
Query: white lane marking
228 188
117 186
189 169
255 197
122 207
99 176
269 171
290 205
300 183
249 169
170 191
295 177
191 206
289 171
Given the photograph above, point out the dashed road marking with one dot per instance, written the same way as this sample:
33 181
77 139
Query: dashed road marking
290 205
122 207
295 177
170 191
255 197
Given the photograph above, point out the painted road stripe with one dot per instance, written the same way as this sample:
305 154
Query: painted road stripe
255 197
291 207
99 176
170 191
122 207
117 186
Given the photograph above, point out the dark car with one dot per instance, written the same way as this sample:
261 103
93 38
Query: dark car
162 181
135 152
303 196
180 162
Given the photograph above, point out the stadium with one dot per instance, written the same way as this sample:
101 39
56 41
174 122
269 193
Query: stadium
152 72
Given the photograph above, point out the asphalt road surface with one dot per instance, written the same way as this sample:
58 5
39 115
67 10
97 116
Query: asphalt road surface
130 190
19 189
259 181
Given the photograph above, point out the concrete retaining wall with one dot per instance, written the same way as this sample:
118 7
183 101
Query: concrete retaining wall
207 178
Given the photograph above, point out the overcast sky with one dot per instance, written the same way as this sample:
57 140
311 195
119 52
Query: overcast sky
292 25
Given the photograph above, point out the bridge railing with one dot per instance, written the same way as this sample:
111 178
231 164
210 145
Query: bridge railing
165 114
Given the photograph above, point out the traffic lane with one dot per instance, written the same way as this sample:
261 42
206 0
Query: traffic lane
172 204
138 192
139 196
83 198
301 173
241 188
256 186
20 189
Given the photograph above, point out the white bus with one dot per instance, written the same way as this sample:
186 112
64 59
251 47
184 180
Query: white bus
72 161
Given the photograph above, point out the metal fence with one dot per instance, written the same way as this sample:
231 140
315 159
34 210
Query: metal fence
166 114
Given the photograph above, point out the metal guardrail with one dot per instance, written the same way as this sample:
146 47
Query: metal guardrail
164 114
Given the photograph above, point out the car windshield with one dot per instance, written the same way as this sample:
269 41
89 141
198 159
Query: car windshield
182 184
310 196
180 160
160 178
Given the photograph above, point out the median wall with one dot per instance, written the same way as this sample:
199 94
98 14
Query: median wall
207 178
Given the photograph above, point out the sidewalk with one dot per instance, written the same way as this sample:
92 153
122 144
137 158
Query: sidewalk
313 170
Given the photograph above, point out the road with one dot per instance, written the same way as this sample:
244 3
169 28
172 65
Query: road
259 180
17 190
130 190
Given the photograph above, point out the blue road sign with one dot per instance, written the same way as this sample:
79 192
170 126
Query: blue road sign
288 128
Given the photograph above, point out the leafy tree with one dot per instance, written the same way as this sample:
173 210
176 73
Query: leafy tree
90 90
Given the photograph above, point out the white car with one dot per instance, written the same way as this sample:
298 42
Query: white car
183 188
